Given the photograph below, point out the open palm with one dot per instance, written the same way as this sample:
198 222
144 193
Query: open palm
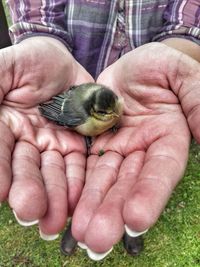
144 160
42 165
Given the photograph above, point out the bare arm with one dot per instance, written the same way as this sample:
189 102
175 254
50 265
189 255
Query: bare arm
188 47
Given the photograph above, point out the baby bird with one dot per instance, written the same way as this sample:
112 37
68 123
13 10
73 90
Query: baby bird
90 109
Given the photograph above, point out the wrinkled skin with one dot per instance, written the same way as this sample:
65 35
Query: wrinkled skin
145 159
39 161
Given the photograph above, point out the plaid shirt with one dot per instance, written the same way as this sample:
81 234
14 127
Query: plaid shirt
98 32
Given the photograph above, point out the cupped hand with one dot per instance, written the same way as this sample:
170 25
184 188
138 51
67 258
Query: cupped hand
143 161
42 166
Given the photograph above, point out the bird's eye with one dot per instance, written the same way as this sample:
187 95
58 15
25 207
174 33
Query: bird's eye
102 112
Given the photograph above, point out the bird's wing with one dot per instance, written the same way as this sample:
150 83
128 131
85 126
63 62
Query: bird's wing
62 111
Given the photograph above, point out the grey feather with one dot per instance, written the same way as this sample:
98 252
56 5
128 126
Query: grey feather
65 109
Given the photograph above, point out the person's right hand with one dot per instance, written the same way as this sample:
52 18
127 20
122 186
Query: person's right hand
41 165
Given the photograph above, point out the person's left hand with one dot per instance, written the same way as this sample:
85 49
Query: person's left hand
143 161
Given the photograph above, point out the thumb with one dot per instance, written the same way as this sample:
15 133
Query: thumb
6 71
186 86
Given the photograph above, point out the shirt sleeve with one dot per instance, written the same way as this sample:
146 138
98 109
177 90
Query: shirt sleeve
181 19
38 17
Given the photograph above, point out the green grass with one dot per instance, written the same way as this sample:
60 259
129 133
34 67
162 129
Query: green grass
173 241
7 12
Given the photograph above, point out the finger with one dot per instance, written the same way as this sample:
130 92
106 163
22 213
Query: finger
101 176
27 195
53 172
164 166
107 224
6 145
75 173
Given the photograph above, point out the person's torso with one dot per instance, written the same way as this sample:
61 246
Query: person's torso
103 30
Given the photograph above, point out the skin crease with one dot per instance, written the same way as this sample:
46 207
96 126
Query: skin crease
149 152
142 163
42 160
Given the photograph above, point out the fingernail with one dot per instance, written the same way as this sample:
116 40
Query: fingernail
134 233
24 223
48 237
82 245
97 256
